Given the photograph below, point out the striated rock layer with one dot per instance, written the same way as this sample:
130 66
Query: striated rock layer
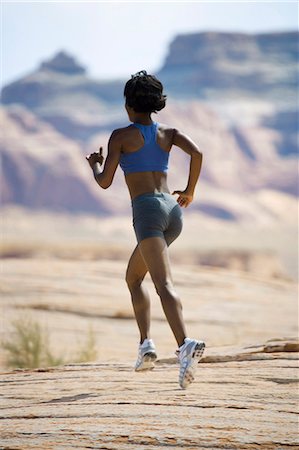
244 395
237 405
233 93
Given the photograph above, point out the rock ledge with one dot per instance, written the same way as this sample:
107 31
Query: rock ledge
246 404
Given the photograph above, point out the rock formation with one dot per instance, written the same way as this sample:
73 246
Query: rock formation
43 169
62 62
242 115
215 64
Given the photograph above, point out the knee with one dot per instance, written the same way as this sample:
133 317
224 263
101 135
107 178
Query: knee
164 288
133 280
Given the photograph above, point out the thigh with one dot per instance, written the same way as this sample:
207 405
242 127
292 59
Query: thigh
154 251
137 268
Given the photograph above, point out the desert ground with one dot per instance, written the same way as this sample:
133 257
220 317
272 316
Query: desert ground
239 295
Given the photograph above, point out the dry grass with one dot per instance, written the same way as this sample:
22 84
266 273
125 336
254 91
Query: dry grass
29 346
87 351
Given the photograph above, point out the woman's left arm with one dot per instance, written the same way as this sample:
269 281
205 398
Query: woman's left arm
104 177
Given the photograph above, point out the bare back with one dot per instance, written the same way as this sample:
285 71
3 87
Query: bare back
146 182
129 140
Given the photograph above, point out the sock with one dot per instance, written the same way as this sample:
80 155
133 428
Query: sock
186 340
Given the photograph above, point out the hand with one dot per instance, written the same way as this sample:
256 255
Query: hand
184 198
96 157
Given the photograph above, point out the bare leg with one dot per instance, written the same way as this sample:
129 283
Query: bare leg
136 272
155 254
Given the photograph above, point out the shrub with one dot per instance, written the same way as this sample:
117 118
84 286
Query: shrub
29 348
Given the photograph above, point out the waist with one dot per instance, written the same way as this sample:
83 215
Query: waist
146 182
139 198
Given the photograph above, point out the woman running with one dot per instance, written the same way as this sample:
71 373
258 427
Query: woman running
142 150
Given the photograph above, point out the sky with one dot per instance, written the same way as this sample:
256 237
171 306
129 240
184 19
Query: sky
117 38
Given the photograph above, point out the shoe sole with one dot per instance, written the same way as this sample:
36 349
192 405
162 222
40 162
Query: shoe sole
147 363
189 375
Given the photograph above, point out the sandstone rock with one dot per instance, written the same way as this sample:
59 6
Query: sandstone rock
35 157
244 395
224 307
254 147
237 405
212 64
63 62
43 169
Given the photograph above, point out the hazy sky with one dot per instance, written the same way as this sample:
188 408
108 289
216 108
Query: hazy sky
115 39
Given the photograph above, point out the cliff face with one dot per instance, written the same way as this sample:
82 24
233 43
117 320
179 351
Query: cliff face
242 115
218 68
43 169
60 87
231 70
63 63
204 64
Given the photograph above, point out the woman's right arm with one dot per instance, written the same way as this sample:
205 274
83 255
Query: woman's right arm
105 177
188 146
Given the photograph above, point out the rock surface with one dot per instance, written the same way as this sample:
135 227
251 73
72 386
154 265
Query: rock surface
240 405
244 396
223 307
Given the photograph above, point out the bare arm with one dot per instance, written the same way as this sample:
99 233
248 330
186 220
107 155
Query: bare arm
104 177
188 146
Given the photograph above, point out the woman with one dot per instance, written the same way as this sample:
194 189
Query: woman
142 150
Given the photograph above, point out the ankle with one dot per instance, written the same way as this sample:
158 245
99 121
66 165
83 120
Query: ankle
181 342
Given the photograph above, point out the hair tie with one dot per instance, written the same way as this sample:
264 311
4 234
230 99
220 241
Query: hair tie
140 74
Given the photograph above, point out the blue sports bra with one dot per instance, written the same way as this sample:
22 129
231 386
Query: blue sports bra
150 157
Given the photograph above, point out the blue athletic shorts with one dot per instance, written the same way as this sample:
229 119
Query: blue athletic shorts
157 215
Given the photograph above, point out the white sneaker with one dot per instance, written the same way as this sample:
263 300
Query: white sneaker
189 354
146 356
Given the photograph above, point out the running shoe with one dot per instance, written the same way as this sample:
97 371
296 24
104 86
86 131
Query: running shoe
188 355
146 356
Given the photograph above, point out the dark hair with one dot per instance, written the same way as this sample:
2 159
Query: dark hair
144 93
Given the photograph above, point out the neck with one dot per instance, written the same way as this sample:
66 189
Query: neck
143 119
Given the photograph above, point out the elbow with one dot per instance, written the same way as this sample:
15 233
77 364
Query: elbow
104 184
197 154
